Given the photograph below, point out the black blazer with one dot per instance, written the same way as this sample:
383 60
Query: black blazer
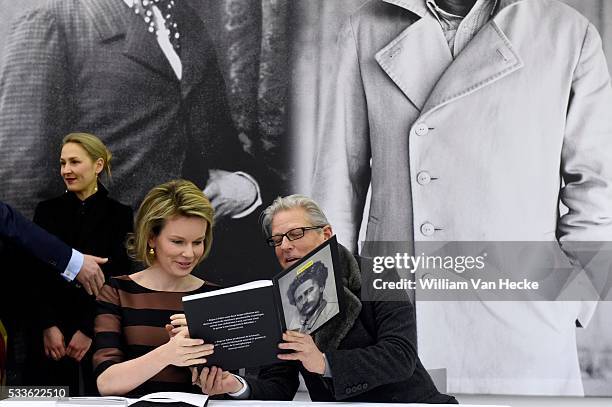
20 231
98 226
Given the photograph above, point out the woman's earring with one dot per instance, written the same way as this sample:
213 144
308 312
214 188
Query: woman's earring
152 251
96 186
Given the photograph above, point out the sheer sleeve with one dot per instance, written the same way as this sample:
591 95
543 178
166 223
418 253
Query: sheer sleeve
108 343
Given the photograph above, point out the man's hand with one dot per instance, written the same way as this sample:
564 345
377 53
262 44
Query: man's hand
215 381
53 340
305 351
91 276
229 193
78 346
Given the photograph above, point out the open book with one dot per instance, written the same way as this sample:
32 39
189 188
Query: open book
198 400
246 322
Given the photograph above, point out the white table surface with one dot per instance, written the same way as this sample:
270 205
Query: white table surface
239 403
466 400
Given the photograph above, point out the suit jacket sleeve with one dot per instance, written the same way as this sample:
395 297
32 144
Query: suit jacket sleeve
33 108
342 168
391 359
34 239
586 166
275 382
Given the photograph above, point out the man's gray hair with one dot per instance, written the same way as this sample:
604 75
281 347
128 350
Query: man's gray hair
314 214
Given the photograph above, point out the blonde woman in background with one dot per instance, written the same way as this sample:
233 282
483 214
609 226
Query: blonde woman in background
85 218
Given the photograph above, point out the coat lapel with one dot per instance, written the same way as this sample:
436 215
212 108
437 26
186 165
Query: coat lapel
420 51
488 58
142 46
112 19
108 16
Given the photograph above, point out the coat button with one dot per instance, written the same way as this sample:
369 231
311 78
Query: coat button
365 386
423 178
421 129
427 229
348 390
353 389
359 387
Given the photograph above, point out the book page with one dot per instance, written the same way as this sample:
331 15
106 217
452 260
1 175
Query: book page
242 287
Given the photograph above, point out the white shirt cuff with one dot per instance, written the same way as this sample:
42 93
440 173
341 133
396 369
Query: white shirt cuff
255 204
327 372
243 393
74 265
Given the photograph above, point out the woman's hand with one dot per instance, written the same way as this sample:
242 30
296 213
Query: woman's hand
305 351
53 340
179 323
181 350
216 381
78 346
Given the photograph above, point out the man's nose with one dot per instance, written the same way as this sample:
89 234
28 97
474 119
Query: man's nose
286 243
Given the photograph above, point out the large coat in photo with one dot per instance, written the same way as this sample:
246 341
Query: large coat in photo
480 147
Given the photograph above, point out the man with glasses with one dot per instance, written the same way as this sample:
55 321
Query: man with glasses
367 355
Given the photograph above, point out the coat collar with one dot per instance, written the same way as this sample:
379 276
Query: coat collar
101 193
419 8
421 51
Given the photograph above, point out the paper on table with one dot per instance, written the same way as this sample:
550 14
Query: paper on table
197 400
93 401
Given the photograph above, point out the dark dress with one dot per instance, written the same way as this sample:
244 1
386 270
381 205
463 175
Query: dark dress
97 226
130 322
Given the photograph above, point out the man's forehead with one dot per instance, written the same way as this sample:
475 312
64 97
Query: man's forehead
306 284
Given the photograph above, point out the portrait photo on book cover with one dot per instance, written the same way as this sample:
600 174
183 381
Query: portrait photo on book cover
309 293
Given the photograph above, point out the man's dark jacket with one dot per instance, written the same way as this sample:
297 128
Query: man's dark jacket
371 351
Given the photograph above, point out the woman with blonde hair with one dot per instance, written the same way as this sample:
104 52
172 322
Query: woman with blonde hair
134 353
85 218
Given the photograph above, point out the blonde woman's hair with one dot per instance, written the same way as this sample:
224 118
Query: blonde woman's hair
94 147
163 202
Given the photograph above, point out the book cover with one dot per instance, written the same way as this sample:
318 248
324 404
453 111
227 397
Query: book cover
246 322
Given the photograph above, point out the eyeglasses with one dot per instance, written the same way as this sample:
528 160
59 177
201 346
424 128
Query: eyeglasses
293 234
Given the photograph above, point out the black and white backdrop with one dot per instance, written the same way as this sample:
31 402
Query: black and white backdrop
276 57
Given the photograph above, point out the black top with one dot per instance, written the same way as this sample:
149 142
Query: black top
96 226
